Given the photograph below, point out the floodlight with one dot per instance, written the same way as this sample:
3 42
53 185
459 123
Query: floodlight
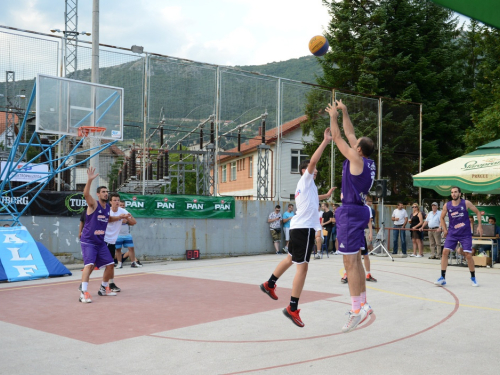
137 49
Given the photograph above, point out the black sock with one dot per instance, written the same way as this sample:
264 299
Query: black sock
443 274
272 281
472 273
294 302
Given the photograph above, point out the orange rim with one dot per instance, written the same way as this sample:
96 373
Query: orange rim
84 131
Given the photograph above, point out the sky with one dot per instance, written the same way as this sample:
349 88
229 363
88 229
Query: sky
225 32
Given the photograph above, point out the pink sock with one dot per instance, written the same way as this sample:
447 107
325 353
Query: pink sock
356 303
363 298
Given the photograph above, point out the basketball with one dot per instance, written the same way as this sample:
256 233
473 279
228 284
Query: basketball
318 45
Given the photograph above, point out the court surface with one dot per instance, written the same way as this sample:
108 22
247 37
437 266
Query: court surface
210 317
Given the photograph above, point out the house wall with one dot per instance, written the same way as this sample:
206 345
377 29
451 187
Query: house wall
243 185
288 180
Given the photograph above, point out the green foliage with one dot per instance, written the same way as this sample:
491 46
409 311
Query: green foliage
486 92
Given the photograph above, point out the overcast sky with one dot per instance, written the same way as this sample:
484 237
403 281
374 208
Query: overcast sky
227 32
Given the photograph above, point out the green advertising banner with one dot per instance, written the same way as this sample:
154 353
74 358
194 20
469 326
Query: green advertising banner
179 206
486 212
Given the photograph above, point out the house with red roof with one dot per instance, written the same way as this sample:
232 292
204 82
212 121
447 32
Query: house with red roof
237 175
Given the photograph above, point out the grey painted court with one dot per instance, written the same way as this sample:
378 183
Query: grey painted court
416 328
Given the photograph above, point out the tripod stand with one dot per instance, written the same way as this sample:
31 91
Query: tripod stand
380 239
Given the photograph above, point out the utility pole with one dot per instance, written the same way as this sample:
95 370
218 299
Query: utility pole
94 142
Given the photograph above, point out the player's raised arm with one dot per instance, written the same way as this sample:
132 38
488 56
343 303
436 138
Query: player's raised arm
350 153
327 138
91 202
347 124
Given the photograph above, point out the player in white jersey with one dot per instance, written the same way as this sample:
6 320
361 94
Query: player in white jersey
302 232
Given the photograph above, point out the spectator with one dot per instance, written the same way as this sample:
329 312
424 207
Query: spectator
400 219
274 221
125 240
327 223
494 253
416 221
319 234
335 206
433 222
369 239
287 217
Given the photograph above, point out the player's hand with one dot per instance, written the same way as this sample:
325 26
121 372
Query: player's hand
340 105
370 237
91 174
327 136
332 110
445 232
331 191
480 230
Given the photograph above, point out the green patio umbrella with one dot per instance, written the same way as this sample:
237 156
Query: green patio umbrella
486 11
477 172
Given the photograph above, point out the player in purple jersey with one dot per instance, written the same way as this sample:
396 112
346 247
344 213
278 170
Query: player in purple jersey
458 231
353 216
94 249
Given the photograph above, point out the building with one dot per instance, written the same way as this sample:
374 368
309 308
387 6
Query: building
238 174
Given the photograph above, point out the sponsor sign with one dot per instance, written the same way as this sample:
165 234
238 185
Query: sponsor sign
19 255
179 206
26 172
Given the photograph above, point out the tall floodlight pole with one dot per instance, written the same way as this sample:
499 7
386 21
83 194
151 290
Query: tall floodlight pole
70 65
94 142
71 37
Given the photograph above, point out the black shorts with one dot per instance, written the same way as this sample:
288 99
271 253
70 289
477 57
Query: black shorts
301 244
365 251
112 248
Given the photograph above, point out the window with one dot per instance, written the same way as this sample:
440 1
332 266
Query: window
224 173
233 171
297 158
250 166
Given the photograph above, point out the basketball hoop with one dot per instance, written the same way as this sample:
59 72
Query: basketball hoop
90 132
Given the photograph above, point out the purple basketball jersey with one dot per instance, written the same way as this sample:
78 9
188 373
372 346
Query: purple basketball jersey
458 219
356 188
95 225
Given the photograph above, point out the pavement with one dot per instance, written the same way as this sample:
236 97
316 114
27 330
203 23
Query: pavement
210 317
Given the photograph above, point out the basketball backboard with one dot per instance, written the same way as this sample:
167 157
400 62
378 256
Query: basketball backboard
64 105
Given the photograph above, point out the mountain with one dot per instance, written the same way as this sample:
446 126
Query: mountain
303 69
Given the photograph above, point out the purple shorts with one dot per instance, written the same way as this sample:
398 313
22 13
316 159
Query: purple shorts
98 255
451 243
351 222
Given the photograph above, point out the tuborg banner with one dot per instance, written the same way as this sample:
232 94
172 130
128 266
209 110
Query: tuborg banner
179 206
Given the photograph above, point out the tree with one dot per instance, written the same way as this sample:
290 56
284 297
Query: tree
486 83
400 49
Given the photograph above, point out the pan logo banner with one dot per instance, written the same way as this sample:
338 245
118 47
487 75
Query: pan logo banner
179 206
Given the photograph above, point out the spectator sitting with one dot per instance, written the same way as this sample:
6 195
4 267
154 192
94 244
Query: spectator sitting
484 248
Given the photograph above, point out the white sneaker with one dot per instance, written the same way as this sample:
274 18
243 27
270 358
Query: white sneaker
412 255
418 256
474 282
85 297
367 308
106 291
353 320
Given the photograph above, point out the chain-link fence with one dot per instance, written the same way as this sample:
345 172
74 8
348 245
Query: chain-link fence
204 129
